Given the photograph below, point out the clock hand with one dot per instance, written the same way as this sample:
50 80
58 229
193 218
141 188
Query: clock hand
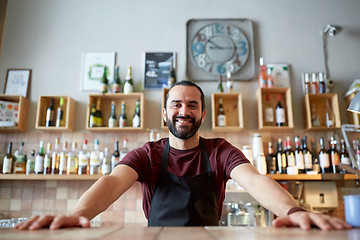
211 47
216 46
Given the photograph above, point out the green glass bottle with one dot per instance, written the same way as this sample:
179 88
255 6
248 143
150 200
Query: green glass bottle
60 120
220 86
116 84
136 119
99 117
112 119
128 85
104 82
122 118
92 117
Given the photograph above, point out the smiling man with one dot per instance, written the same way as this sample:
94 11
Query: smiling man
183 177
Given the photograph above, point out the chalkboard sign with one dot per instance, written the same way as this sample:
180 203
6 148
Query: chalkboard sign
157 69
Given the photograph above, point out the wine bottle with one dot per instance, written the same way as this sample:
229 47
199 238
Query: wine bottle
48 159
279 113
281 158
315 157
128 85
92 117
314 84
8 161
55 157
136 119
112 122
220 86
307 156
99 117
270 78
50 114
122 118
124 149
324 157
268 112
344 157
30 163
95 159
299 156
103 87
229 82
221 117
290 157
116 84
307 86
83 158
63 159
334 156
39 159
322 86
262 74
115 157
271 160
20 159
105 162
72 160
172 78
60 119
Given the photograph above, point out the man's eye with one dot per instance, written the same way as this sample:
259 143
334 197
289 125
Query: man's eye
175 105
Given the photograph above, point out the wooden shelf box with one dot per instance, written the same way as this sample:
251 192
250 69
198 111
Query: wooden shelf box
69 110
232 103
23 112
318 101
164 92
286 102
105 108
353 118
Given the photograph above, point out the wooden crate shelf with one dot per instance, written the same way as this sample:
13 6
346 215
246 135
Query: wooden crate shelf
232 103
23 112
105 108
286 102
69 110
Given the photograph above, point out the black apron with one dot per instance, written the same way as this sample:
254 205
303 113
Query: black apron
184 201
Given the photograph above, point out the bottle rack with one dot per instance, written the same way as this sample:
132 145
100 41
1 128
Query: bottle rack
69 109
232 103
353 118
105 108
318 100
163 123
23 111
285 101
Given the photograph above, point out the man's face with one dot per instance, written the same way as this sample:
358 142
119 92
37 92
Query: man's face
183 114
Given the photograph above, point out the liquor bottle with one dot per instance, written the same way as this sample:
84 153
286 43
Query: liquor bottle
105 162
63 159
220 86
299 156
128 85
115 157
172 78
344 157
92 117
116 84
8 161
95 159
84 159
315 119
290 157
270 78
329 114
55 157
307 155
39 159
314 84
271 160
229 82
103 87
122 118
334 156
324 157
124 149
307 86
280 158
315 157
72 160
262 74
112 122
60 118
50 114
99 117
268 112
48 159
30 163
20 159
322 86
136 118
221 117
279 113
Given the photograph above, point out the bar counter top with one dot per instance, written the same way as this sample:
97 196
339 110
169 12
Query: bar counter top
179 233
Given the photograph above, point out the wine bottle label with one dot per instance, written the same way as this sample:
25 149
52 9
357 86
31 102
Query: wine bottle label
20 158
114 161
335 159
115 88
47 161
122 155
136 121
7 163
92 121
62 164
94 159
290 160
299 160
103 87
346 160
83 160
128 88
308 160
122 122
112 123
71 164
280 115
269 115
324 160
39 164
105 169
221 120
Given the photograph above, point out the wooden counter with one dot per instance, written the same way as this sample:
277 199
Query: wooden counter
179 233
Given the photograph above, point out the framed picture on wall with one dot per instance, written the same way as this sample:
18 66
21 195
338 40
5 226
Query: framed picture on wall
93 65
157 68
17 82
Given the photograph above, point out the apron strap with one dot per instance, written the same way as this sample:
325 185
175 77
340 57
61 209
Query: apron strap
165 156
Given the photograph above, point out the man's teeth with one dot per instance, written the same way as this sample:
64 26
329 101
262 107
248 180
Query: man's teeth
183 121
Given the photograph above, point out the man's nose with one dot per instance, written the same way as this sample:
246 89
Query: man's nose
183 110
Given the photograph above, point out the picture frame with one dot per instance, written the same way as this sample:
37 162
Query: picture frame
93 69
157 69
17 82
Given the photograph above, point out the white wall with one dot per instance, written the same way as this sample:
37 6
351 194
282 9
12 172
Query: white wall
49 36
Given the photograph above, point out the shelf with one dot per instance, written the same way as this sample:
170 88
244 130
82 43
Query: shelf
105 108
48 177
23 111
232 104
69 109
286 102
326 176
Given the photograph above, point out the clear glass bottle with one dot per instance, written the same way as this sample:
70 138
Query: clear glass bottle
55 157
60 118
115 157
329 114
315 119
72 160
268 112
270 78
20 159
124 149
8 161
48 160
116 84
128 85
112 122
344 157
105 162
136 119
262 74
39 159
314 84
63 159
95 159
221 117
307 85
104 82
84 159
122 118
30 163
229 82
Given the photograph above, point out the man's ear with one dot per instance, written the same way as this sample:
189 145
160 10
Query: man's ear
203 115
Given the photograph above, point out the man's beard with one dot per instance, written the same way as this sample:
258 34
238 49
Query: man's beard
184 132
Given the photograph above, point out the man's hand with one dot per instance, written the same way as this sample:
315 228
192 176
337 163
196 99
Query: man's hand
53 222
305 220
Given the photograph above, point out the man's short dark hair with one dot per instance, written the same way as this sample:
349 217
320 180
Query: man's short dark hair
190 84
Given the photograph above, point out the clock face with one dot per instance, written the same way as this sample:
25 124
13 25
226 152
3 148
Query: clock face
219 47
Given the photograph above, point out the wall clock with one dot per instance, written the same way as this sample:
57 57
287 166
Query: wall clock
216 46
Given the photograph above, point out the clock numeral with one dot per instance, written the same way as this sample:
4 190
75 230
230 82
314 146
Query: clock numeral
236 34
221 69
211 67
228 30
209 31
201 60
219 29
243 49
237 61
197 48
200 37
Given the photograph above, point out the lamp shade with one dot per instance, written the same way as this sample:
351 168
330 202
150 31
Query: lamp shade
354 105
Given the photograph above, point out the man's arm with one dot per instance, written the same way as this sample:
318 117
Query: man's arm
95 200
273 197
